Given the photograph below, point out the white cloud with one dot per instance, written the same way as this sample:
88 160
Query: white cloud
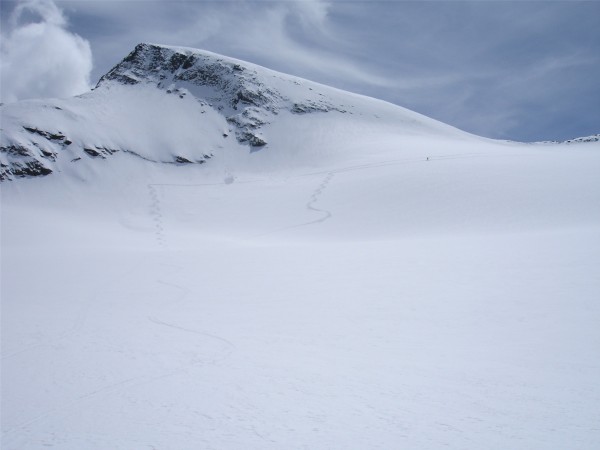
40 57
294 37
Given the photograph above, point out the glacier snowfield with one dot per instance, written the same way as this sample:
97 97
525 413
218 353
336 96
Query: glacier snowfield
368 279
394 303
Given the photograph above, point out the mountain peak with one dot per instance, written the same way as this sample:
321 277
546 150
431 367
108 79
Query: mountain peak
152 62
227 81
248 95
179 105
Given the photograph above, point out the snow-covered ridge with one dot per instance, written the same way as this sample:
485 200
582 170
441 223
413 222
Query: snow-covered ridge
592 138
237 89
230 83
178 105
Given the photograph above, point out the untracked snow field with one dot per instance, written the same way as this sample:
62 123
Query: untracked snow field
442 297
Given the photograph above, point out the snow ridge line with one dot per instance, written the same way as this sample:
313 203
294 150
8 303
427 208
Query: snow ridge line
229 346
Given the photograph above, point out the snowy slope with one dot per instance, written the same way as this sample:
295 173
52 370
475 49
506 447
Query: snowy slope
368 279
180 106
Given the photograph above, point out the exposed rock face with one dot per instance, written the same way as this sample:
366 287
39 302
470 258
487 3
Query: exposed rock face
229 87
28 161
238 91
592 138
19 162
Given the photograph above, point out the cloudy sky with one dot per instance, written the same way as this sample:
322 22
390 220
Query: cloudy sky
522 70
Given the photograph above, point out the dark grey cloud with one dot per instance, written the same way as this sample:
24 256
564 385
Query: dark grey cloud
514 70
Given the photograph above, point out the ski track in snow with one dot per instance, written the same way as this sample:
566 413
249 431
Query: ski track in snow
158 218
227 348
312 200
156 214
436 341
66 408
331 173
76 326
123 384
315 197
214 349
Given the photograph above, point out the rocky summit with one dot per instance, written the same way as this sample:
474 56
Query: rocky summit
181 106
36 134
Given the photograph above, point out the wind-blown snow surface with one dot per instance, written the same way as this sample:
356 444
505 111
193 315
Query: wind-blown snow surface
366 288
